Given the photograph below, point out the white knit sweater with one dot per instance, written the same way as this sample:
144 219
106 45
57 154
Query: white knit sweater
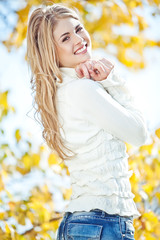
97 119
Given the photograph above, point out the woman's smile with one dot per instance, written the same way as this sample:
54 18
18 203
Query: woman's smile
81 50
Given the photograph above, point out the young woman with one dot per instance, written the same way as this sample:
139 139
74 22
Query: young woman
86 110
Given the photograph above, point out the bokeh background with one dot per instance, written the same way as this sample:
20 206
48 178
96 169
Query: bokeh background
34 185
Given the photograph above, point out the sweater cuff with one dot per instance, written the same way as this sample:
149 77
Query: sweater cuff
118 89
112 80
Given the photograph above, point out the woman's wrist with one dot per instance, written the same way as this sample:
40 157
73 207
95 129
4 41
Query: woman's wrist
110 75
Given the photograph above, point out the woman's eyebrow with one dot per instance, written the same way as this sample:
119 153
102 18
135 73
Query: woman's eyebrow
68 32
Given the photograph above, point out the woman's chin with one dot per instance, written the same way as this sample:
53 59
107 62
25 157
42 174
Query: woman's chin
85 58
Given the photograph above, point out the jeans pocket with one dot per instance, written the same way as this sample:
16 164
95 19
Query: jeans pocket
130 230
83 231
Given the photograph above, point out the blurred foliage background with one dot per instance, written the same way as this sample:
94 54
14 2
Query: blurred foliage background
110 24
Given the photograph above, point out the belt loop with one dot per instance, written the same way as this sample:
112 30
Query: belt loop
103 213
120 225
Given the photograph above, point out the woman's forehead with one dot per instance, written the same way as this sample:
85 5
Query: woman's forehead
65 25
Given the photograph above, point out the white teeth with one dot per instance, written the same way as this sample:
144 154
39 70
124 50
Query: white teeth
81 50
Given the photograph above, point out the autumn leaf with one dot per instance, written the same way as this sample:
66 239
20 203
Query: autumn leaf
53 159
158 132
18 135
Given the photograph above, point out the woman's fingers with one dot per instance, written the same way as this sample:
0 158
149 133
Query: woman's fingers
85 71
89 64
105 67
98 68
99 72
95 70
82 71
79 71
107 63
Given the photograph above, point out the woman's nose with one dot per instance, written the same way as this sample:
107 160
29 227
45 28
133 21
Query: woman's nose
78 39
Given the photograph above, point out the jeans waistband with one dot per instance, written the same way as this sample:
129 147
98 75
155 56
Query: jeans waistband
110 215
100 213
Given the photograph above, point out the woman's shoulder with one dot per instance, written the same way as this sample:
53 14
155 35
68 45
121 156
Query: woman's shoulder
82 86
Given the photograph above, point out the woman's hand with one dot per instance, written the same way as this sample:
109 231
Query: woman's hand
95 70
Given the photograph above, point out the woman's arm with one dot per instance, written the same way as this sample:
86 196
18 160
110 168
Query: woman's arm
101 109
118 89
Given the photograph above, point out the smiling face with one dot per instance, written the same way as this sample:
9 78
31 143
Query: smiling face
73 42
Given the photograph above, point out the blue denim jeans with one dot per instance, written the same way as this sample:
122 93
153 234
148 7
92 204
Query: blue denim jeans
95 224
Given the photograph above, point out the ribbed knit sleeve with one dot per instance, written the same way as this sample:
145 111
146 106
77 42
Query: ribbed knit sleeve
118 89
110 111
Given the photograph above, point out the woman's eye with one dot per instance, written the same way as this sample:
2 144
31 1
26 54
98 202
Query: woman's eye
64 39
79 29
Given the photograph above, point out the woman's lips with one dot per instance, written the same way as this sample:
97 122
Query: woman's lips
82 50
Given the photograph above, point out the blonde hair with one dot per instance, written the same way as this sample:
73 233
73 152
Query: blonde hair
44 63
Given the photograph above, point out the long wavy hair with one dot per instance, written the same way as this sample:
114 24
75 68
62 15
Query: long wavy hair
43 60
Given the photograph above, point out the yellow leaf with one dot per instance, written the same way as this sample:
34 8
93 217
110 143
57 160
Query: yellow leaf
53 159
21 218
19 237
2 214
1 183
31 216
27 161
148 236
67 171
12 206
134 179
23 170
149 227
147 188
55 225
3 100
17 135
47 215
35 159
42 148
157 229
67 194
157 194
148 171
147 148
23 13
4 174
151 217
137 198
7 228
46 226
158 132
62 165
128 146
142 23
